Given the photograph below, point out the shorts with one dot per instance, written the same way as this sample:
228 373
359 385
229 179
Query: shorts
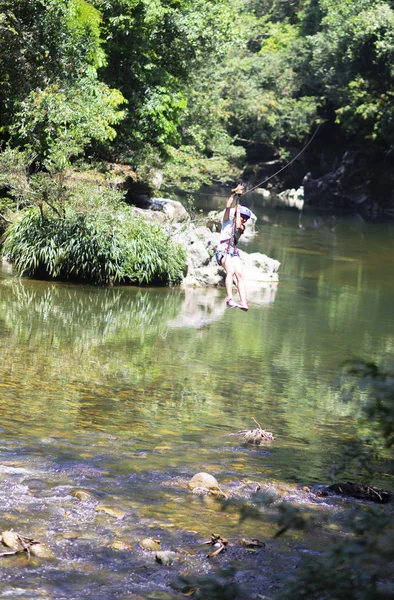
225 248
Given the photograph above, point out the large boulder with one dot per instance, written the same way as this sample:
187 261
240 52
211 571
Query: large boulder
174 211
259 267
200 243
163 211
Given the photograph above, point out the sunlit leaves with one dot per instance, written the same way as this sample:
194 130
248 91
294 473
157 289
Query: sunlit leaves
60 121
84 24
352 58
14 175
379 385
154 47
43 42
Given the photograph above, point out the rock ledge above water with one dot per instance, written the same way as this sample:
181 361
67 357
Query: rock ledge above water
200 240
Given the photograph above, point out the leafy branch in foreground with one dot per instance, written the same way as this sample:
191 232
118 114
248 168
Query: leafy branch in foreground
379 385
358 564
212 587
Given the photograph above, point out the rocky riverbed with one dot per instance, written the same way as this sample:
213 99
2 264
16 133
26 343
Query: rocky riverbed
87 531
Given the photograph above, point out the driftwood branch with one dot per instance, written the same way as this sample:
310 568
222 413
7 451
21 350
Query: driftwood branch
360 491
11 553
255 436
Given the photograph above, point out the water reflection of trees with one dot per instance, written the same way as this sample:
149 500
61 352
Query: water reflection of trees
41 312
123 359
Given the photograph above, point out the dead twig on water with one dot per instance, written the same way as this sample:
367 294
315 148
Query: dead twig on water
255 436
218 542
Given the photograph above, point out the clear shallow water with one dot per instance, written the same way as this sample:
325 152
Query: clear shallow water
129 392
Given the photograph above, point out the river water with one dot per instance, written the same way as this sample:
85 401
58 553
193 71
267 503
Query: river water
127 393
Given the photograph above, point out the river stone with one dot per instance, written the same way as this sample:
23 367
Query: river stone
204 480
173 209
111 512
252 543
121 546
150 544
71 535
82 495
165 557
11 540
41 550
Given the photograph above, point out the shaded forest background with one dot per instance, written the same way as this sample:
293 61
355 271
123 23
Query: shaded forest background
190 93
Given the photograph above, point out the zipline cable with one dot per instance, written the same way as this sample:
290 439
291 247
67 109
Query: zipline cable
287 165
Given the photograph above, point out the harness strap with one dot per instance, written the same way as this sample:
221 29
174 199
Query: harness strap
231 240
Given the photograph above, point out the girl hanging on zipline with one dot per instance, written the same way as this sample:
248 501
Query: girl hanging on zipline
227 255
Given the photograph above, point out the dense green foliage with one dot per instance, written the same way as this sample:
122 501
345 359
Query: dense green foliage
54 102
202 91
189 85
105 247
75 225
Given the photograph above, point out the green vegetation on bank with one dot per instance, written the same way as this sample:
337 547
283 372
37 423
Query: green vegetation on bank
202 91
111 246
76 226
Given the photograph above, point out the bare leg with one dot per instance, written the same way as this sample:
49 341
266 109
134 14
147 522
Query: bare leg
227 264
239 275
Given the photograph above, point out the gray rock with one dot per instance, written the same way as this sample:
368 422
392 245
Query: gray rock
198 255
293 197
205 480
174 210
165 557
200 242
259 267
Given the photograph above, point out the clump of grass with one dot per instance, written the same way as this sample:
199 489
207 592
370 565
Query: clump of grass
101 247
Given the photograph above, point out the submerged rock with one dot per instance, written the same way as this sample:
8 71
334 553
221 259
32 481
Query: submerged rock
121 546
19 544
204 483
150 544
360 491
252 543
165 557
82 495
204 480
111 512
41 550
